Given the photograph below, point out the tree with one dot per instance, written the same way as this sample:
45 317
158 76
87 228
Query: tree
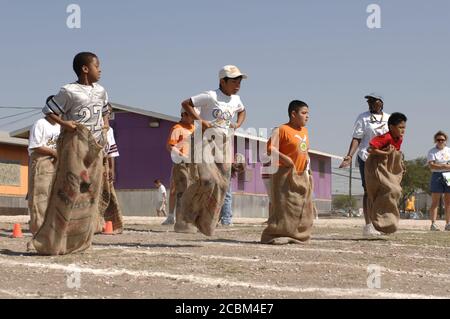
416 178
343 202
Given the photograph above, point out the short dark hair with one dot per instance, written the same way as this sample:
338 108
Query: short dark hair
295 105
397 118
157 181
81 59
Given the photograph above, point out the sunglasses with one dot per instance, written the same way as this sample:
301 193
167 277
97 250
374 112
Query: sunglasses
440 140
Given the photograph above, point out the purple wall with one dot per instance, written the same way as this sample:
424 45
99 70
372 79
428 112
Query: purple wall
143 155
321 169
144 158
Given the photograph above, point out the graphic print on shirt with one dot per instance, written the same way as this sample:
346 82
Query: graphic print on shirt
86 114
51 142
303 146
443 156
222 115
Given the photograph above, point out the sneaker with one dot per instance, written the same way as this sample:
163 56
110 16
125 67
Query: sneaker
170 220
435 228
447 228
370 231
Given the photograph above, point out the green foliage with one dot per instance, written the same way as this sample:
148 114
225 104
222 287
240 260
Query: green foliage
416 179
417 176
343 202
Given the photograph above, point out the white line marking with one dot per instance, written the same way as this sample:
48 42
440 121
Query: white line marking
277 262
17 294
211 281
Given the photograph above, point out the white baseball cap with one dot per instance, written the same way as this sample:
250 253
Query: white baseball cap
376 96
231 71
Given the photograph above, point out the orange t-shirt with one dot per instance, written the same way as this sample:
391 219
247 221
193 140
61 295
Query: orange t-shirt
179 137
294 144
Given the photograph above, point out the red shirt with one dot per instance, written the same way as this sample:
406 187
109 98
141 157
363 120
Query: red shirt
383 141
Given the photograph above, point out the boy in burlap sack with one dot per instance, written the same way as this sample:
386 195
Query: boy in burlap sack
73 208
384 171
178 144
43 157
292 210
203 199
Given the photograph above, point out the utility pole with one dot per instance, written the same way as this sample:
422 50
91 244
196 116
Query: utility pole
350 191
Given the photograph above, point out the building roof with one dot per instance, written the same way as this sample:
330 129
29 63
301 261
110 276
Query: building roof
5 138
24 132
144 112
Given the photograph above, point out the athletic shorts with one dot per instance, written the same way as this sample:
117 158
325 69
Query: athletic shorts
437 184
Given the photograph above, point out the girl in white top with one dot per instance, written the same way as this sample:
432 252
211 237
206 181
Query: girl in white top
439 162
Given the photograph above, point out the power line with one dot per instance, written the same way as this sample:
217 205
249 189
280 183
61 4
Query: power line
14 115
23 118
20 108
346 176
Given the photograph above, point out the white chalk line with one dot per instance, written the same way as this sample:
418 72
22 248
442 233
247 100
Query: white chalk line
277 262
17 294
212 281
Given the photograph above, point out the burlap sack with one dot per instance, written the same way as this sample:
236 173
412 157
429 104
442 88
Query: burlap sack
203 199
73 208
113 212
183 175
109 207
383 182
292 213
41 177
105 197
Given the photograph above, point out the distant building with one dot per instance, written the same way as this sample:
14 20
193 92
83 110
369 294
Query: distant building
13 174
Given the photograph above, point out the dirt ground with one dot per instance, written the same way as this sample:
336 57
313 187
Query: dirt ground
151 261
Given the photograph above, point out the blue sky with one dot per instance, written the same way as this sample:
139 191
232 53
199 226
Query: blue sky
154 54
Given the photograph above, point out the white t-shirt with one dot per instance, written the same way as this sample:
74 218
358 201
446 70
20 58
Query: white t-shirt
161 192
218 108
83 104
439 157
367 126
111 149
43 134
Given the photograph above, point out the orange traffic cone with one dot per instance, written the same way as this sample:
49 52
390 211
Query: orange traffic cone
108 229
17 231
